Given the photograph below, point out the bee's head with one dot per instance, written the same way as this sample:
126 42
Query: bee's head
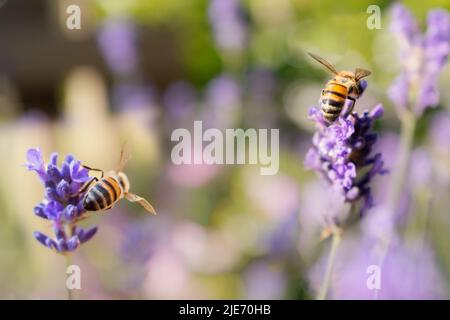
123 181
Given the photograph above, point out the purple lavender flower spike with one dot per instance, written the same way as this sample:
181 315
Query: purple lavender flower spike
117 41
342 154
423 56
228 23
410 271
63 202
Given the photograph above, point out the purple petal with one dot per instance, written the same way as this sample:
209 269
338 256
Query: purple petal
403 22
53 210
53 173
59 233
51 193
39 210
87 235
42 238
73 243
352 194
398 92
54 159
36 163
70 212
60 245
63 189
377 111
78 173
363 85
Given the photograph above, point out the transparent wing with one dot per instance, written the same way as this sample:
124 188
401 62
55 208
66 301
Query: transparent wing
124 158
323 62
144 203
361 73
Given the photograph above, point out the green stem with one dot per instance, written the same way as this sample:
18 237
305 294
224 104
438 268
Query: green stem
399 175
329 270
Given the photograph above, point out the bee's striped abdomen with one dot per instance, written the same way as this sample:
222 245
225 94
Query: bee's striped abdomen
102 195
332 100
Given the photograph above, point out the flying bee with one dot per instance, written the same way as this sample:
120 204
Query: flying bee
344 85
102 194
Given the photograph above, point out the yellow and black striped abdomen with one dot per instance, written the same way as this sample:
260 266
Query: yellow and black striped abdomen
332 100
102 195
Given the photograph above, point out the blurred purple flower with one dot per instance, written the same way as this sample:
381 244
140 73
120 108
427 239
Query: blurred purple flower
342 153
440 143
228 23
129 96
117 41
139 243
281 241
181 101
223 92
260 108
421 170
408 272
264 281
63 202
423 57
223 99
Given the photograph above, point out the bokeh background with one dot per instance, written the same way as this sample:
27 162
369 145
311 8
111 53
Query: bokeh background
139 69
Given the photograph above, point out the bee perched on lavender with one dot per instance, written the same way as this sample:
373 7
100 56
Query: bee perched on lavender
70 192
345 86
342 154
63 200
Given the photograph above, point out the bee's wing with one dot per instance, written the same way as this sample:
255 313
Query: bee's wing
323 62
124 158
361 73
144 203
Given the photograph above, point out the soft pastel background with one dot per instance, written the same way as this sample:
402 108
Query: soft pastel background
137 70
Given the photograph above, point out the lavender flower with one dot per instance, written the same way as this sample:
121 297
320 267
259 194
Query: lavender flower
63 202
181 101
117 42
342 154
223 100
133 96
262 280
409 272
423 57
228 23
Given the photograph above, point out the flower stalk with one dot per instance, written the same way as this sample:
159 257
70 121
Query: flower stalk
336 240
408 126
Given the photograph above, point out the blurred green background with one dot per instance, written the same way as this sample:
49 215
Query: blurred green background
221 231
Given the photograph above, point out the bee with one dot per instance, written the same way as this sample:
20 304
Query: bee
344 85
102 194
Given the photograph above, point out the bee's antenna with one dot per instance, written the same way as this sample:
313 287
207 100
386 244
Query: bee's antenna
123 159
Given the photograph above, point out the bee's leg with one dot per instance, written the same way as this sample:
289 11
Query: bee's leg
87 185
92 169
